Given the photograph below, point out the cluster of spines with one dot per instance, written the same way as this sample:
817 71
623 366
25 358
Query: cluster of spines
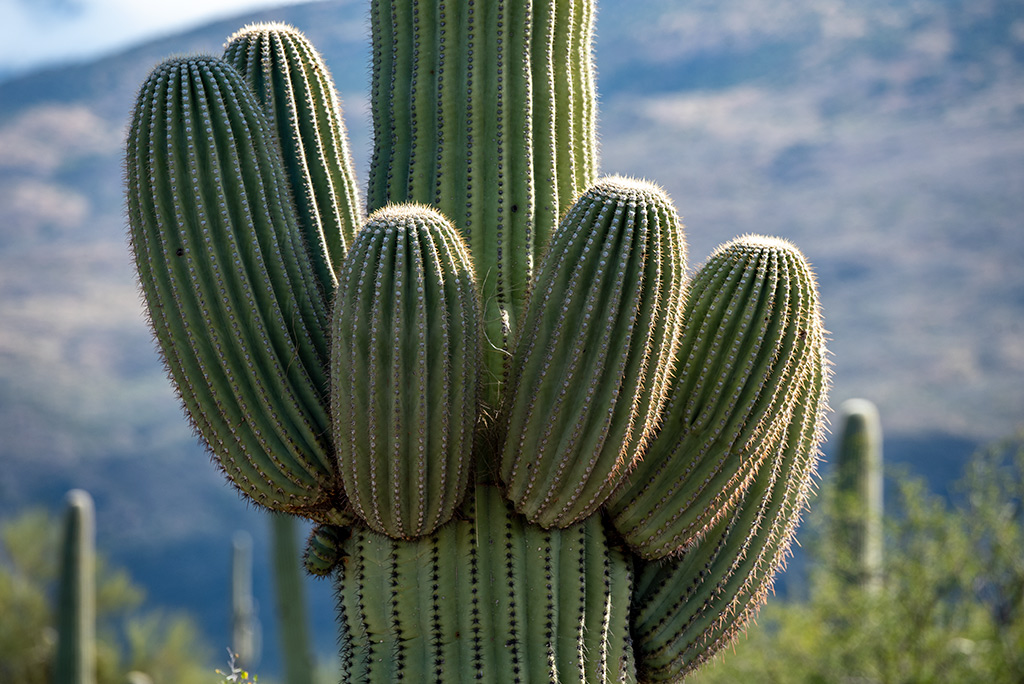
404 371
499 139
240 318
488 597
591 367
289 78
752 327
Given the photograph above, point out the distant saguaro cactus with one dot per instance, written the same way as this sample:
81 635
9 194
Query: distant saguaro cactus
292 628
75 662
245 627
533 450
859 492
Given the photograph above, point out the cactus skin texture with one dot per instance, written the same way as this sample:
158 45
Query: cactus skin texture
859 492
75 662
753 328
533 449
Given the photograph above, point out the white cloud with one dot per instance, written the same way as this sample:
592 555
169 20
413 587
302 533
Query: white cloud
34 33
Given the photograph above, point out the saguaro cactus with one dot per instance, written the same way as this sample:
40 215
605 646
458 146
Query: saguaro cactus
534 451
75 662
859 493
246 636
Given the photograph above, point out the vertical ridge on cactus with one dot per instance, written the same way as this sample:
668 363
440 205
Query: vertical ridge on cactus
485 111
289 78
238 315
752 326
404 371
594 355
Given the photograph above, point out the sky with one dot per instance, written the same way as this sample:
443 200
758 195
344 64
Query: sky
38 33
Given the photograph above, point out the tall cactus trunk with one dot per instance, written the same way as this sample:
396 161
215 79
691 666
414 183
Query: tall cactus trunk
76 601
860 496
485 110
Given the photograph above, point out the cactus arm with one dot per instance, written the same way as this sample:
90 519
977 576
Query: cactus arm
289 78
246 346
594 352
405 371
75 660
687 610
752 320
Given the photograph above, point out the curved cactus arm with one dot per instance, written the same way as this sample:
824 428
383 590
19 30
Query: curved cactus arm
405 371
752 323
590 370
290 79
234 304
485 110
488 598
686 610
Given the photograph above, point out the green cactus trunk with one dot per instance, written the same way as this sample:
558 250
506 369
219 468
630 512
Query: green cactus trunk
488 598
500 399
485 110
859 502
75 662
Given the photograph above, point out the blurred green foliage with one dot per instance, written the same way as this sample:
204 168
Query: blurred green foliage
130 637
951 608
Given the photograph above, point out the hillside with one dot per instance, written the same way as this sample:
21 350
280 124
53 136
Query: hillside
885 139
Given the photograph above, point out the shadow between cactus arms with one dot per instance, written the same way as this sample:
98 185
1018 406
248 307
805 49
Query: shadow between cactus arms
534 448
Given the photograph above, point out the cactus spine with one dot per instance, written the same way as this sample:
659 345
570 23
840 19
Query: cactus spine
859 490
75 662
533 451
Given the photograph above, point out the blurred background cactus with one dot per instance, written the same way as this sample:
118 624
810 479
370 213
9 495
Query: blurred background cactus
859 505
457 389
245 625
76 602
